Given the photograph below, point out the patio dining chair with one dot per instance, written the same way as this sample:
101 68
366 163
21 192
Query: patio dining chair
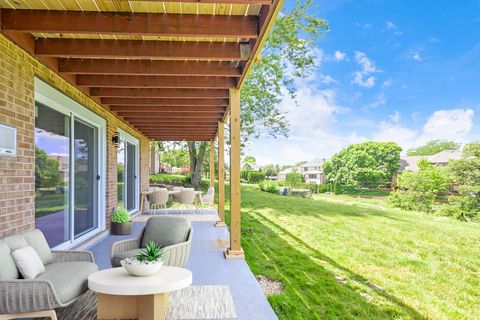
187 197
208 198
176 196
158 198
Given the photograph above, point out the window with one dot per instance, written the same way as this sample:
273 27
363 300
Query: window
127 172
312 176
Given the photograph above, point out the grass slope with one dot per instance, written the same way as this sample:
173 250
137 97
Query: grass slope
354 262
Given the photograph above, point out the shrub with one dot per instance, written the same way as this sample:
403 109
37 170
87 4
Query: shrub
313 187
244 174
412 200
293 179
120 215
170 179
336 188
269 186
302 193
323 188
255 177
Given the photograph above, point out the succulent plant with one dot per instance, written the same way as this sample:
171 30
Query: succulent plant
152 252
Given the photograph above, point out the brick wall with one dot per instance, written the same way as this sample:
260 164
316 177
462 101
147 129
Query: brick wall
17 175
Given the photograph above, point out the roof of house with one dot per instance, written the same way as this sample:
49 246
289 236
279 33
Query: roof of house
409 163
313 172
288 170
445 156
314 163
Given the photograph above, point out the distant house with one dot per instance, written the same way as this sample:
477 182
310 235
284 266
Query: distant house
282 175
313 171
441 159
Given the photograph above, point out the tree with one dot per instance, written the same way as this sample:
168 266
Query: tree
294 179
196 151
270 170
433 147
288 54
176 157
47 170
418 190
364 164
466 176
249 162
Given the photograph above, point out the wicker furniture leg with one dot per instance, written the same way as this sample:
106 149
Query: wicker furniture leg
37 314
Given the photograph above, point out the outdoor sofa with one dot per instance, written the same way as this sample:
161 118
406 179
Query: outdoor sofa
63 282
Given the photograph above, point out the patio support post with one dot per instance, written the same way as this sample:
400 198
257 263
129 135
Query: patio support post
235 250
212 163
221 176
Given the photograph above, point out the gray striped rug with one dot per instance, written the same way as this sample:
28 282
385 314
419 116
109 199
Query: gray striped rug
194 302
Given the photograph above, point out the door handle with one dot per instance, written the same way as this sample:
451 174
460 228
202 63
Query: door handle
98 177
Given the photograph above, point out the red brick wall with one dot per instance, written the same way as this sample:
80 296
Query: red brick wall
17 175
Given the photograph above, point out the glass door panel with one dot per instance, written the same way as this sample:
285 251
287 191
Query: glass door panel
131 177
120 174
85 177
52 172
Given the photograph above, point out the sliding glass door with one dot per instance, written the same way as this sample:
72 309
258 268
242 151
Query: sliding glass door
67 175
127 173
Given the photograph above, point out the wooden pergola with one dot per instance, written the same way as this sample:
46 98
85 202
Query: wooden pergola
172 70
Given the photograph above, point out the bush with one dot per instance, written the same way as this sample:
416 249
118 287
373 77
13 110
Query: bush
255 177
170 179
244 174
336 188
313 187
269 186
412 200
323 188
120 215
302 193
293 179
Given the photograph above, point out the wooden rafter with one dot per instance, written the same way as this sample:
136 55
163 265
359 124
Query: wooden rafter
160 93
126 23
149 67
133 102
108 81
157 109
94 48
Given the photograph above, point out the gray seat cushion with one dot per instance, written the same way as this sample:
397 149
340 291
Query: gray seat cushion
69 278
123 255
166 231
37 241
8 269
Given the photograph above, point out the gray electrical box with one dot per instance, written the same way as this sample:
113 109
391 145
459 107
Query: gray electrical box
8 141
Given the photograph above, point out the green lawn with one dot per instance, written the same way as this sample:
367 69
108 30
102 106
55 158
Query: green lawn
342 261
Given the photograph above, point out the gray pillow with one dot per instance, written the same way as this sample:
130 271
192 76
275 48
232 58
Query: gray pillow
166 231
37 241
8 269
15 242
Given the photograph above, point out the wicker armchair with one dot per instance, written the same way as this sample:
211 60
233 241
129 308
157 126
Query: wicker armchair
24 298
175 254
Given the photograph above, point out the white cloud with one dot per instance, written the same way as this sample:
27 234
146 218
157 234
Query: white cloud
434 40
325 79
340 56
387 83
395 117
378 100
391 25
453 124
416 55
363 77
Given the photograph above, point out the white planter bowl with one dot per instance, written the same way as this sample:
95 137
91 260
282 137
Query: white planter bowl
142 270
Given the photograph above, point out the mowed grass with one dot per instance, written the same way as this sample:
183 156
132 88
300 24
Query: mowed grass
340 261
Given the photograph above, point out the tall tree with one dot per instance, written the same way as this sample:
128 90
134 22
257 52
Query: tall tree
364 164
288 54
433 147
196 152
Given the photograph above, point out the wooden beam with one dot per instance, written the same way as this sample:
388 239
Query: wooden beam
156 102
161 109
235 250
172 120
159 93
264 2
180 126
93 48
221 175
107 81
129 23
212 163
171 114
195 138
150 67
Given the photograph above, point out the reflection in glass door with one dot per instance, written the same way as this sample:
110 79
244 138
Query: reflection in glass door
85 177
131 177
52 174
127 168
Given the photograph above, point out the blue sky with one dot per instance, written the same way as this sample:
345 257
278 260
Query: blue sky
403 71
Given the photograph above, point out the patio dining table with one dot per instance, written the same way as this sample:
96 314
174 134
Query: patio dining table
143 195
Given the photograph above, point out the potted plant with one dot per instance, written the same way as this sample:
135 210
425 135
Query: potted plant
121 224
146 262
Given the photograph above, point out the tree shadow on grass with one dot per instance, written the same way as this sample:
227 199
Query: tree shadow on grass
311 291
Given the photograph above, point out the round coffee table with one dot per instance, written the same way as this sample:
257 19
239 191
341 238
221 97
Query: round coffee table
122 296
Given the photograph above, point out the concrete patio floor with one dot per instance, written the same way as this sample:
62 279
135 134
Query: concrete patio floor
209 267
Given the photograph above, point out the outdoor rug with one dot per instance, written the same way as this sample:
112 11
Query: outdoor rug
162 212
191 303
